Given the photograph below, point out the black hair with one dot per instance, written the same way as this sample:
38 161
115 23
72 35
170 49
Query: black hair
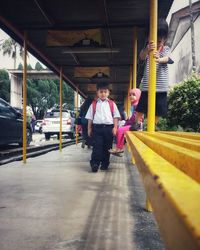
103 85
162 29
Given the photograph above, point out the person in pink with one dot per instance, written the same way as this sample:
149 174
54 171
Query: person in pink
134 97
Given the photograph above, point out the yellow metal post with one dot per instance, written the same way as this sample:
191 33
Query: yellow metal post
60 137
152 67
130 87
134 57
24 98
76 105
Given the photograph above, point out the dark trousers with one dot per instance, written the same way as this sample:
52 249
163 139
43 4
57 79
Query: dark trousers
102 142
85 134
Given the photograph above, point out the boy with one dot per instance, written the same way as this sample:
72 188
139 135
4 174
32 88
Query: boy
102 118
162 59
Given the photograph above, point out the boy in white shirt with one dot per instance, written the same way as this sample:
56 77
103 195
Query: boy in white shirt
103 116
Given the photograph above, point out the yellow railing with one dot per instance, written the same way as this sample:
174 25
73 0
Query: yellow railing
169 163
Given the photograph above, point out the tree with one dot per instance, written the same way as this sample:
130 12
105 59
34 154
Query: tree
4 85
29 67
20 66
184 104
38 66
10 47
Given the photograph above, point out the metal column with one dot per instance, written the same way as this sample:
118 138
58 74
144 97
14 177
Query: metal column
152 67
135 57
24 98
76 107
60 135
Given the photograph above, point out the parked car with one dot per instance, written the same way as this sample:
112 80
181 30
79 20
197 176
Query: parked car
38 126
11 125
51 123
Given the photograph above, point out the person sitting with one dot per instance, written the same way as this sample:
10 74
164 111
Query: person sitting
134 97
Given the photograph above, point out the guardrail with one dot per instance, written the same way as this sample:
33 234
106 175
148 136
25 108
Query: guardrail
169 163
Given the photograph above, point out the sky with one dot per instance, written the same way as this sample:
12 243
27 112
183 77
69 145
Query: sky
7 62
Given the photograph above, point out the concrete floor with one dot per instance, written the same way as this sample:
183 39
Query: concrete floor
56 203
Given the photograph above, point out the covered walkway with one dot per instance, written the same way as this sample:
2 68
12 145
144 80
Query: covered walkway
55 202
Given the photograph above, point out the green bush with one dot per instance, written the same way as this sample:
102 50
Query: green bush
184 105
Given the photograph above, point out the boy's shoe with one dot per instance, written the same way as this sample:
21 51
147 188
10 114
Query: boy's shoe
104 167
83 144
95 168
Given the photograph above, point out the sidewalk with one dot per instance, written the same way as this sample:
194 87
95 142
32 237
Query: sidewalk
54 202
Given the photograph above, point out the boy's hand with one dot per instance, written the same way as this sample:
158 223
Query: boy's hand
151 46
114 131
156 56
89 132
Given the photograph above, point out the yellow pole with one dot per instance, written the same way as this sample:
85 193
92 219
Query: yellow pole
125 104
134 57
76 104
60 137
24 98
152 67
130 87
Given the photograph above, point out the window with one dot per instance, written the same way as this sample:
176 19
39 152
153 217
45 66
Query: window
6 110
56 114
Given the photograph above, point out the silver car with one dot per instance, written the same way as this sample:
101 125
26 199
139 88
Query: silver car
51 123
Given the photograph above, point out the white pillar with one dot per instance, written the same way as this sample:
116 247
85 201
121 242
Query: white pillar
15 91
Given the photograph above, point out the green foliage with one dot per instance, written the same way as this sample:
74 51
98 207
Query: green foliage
20 66
44 94
4 85
29 67
11 48
38 66
184 105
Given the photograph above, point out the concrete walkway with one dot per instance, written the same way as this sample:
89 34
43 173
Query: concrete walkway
56 203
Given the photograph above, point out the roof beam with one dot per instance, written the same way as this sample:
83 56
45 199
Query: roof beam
81 25
95 65
44 12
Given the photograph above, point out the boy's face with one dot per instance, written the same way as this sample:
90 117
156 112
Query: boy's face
160 41
103 93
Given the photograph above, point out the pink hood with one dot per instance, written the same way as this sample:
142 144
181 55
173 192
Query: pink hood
137 93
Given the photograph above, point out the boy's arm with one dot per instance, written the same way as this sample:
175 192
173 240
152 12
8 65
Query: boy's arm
144 53
164 59
89 128
115 123
150 46
89 117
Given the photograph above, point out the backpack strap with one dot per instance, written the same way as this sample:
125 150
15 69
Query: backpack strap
111 104
94 106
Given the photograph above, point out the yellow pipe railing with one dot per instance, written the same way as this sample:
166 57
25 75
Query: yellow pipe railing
24 98
152 67
134 57
60 135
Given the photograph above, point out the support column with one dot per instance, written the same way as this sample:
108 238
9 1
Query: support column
76 107
152 67
135 57
60 137
24 97
15 91
130 87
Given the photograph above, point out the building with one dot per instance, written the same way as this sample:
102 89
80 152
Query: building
179 40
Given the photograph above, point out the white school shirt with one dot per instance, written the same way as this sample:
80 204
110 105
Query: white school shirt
103 113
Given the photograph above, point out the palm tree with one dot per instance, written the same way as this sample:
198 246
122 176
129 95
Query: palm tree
10 48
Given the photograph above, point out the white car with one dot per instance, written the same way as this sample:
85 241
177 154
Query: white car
51 123
38 126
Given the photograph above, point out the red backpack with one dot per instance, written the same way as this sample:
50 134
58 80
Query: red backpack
111 104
